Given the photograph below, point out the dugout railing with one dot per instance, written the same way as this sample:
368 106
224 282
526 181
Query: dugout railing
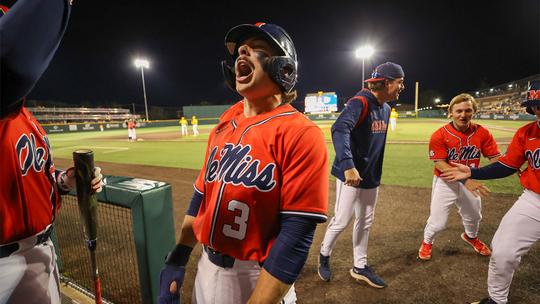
135 232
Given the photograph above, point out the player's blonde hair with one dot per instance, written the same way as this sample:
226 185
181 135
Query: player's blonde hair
463 97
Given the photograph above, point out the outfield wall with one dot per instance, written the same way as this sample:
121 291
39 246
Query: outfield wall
83 127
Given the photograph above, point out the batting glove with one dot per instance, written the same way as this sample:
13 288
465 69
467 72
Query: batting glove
167 276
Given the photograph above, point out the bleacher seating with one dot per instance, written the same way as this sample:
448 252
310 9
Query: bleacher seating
66 115
504 99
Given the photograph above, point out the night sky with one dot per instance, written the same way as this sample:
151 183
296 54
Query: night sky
448 46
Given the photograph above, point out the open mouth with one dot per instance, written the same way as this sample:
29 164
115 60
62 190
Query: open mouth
243 70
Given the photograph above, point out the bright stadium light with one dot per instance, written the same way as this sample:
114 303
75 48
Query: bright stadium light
142 63
364 53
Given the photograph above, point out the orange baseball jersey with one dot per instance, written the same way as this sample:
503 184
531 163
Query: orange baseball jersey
256 170
449 144
29 198
525 146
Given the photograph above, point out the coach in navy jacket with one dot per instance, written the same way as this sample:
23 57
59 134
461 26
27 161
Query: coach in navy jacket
359 136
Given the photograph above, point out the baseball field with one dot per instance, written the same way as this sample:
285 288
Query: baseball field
456 274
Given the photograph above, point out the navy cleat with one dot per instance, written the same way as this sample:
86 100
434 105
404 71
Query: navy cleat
324 268
367 275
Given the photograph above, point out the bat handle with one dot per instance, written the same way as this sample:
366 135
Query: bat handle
97 283
97 288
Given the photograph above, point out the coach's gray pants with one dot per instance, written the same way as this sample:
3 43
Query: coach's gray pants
349 201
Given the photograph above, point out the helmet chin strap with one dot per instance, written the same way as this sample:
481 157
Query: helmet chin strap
229 75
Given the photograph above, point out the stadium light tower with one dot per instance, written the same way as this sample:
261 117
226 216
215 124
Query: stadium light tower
364 53
143 64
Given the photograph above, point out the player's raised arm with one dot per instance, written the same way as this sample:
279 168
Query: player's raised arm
30 33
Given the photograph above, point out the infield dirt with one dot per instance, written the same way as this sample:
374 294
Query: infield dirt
456 274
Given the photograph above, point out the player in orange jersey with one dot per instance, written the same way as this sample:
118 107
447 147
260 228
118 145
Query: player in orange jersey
519 229
263 187
458 141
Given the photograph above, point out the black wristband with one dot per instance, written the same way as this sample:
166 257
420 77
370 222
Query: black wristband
179 256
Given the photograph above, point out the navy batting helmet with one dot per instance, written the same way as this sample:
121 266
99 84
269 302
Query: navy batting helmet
282 69
533 96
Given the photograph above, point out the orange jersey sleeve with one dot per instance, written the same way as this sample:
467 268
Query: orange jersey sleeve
305 176
515 154
437 146
525 146
488 144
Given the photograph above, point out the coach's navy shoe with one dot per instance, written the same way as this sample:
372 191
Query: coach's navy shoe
324 268
366 274
485 301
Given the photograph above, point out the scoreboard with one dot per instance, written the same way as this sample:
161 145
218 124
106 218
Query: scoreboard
320 102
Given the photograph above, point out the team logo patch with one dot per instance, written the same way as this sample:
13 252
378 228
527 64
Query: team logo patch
30 155
534 158
465 153
234 165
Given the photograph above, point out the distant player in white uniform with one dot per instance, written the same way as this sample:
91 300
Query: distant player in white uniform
459 141
393 119
183 125
519 229
195 125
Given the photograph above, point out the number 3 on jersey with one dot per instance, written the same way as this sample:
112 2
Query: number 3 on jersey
240 220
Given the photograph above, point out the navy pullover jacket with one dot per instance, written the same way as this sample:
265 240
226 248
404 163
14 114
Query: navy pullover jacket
29 36
360 144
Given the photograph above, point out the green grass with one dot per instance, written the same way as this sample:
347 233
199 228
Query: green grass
404 164
183 153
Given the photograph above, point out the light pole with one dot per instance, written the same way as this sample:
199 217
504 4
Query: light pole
143 64
364 52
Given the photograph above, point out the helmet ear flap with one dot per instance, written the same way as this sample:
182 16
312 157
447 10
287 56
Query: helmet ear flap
282 69
229 75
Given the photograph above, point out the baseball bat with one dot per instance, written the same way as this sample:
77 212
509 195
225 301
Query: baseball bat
87 201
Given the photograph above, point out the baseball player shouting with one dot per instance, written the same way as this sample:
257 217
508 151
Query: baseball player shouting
30 186
263 187
519 229
461 141
359 136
